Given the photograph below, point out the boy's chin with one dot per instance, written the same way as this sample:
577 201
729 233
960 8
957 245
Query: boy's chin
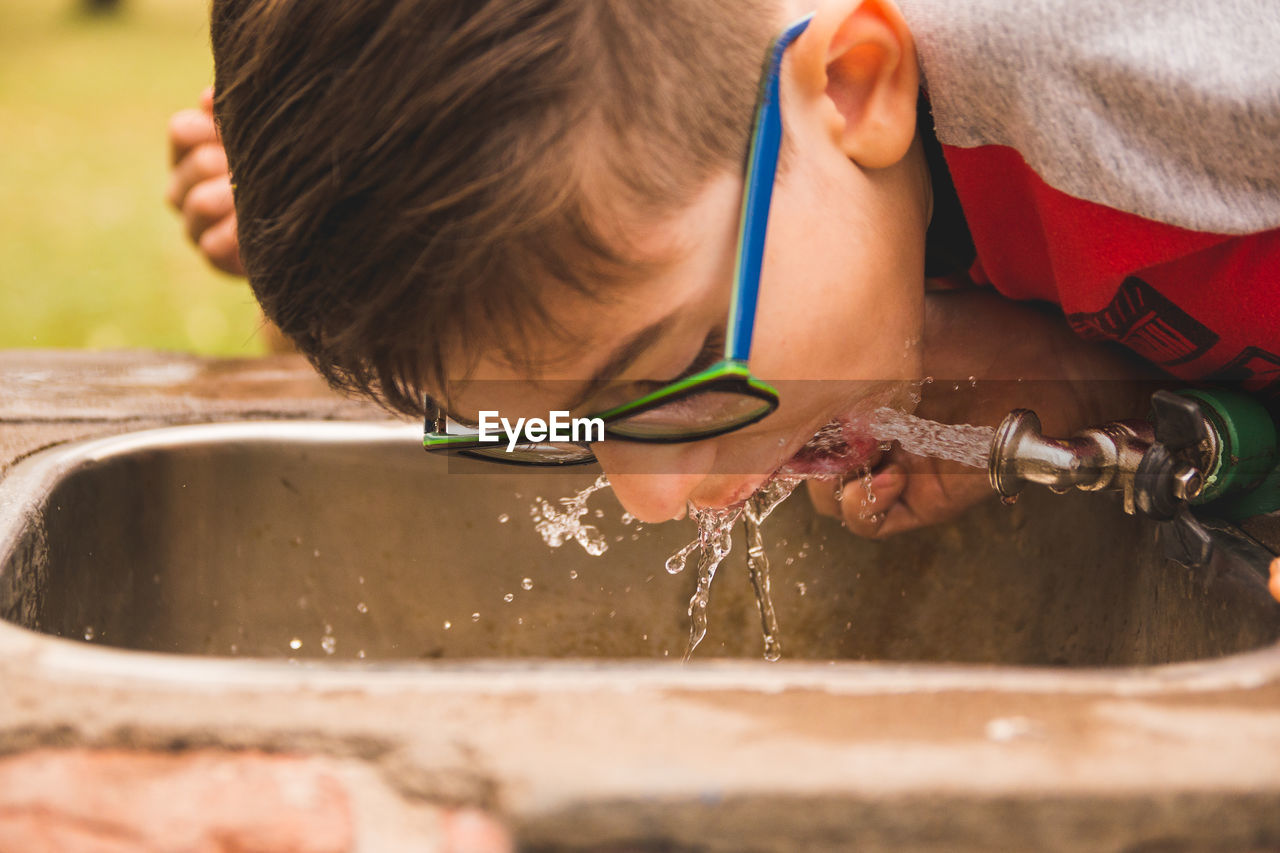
734 496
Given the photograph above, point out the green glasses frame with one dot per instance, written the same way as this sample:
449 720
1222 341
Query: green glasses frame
731 374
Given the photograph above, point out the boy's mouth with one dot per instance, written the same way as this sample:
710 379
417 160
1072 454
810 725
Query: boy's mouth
837 449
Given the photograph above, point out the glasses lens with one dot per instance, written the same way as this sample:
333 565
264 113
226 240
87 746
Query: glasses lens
705 413
535 454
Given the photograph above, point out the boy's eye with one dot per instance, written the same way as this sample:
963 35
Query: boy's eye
712 350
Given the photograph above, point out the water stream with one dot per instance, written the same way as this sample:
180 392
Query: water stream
963 443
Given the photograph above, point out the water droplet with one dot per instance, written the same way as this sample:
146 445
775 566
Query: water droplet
315 553
360 579
1008 500
234 648
295 644
360 654
509 597
475 617
447 624
526 584
89 632
329 644
504 518
573 574
362 607
676 562
801 588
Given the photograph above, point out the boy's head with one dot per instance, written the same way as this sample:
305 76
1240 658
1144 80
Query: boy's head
518 189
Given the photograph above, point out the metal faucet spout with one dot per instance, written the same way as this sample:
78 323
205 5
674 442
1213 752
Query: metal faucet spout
1101 457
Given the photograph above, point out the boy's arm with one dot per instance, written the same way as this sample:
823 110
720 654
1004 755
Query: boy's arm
1020 357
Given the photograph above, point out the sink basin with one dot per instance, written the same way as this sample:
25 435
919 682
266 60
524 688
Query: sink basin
345 541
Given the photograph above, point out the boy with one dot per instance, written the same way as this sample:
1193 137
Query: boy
532 205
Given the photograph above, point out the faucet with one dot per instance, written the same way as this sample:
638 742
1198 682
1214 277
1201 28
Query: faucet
1203 448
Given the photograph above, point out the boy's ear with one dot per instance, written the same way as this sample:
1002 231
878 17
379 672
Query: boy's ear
859 56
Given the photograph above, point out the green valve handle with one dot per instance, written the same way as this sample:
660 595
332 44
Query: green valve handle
1242 477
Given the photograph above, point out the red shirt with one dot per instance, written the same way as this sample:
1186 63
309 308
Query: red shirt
1199 305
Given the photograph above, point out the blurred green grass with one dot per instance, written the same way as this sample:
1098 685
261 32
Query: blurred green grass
90 254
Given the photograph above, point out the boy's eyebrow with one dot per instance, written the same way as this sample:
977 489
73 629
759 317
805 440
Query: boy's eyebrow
623 355
621 358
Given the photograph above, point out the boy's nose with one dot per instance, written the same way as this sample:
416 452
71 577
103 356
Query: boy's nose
654 482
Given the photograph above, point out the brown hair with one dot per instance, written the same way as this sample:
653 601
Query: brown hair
409 171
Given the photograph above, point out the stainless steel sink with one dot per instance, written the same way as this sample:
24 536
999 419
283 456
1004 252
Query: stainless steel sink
345 541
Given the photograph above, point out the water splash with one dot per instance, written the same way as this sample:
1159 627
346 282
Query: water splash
836 449
714 542
758 508
715 527
558 526
963 443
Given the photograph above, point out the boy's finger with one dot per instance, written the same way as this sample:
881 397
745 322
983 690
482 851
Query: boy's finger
899 519
822 494
220 246
866 511
187 129
201 164
207 203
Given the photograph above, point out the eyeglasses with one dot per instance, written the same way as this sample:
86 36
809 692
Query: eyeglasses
717 400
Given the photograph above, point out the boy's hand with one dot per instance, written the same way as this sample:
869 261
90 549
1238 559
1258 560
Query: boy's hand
200 185
1020 358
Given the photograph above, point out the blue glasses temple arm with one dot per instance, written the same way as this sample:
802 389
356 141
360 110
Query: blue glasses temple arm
762 167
